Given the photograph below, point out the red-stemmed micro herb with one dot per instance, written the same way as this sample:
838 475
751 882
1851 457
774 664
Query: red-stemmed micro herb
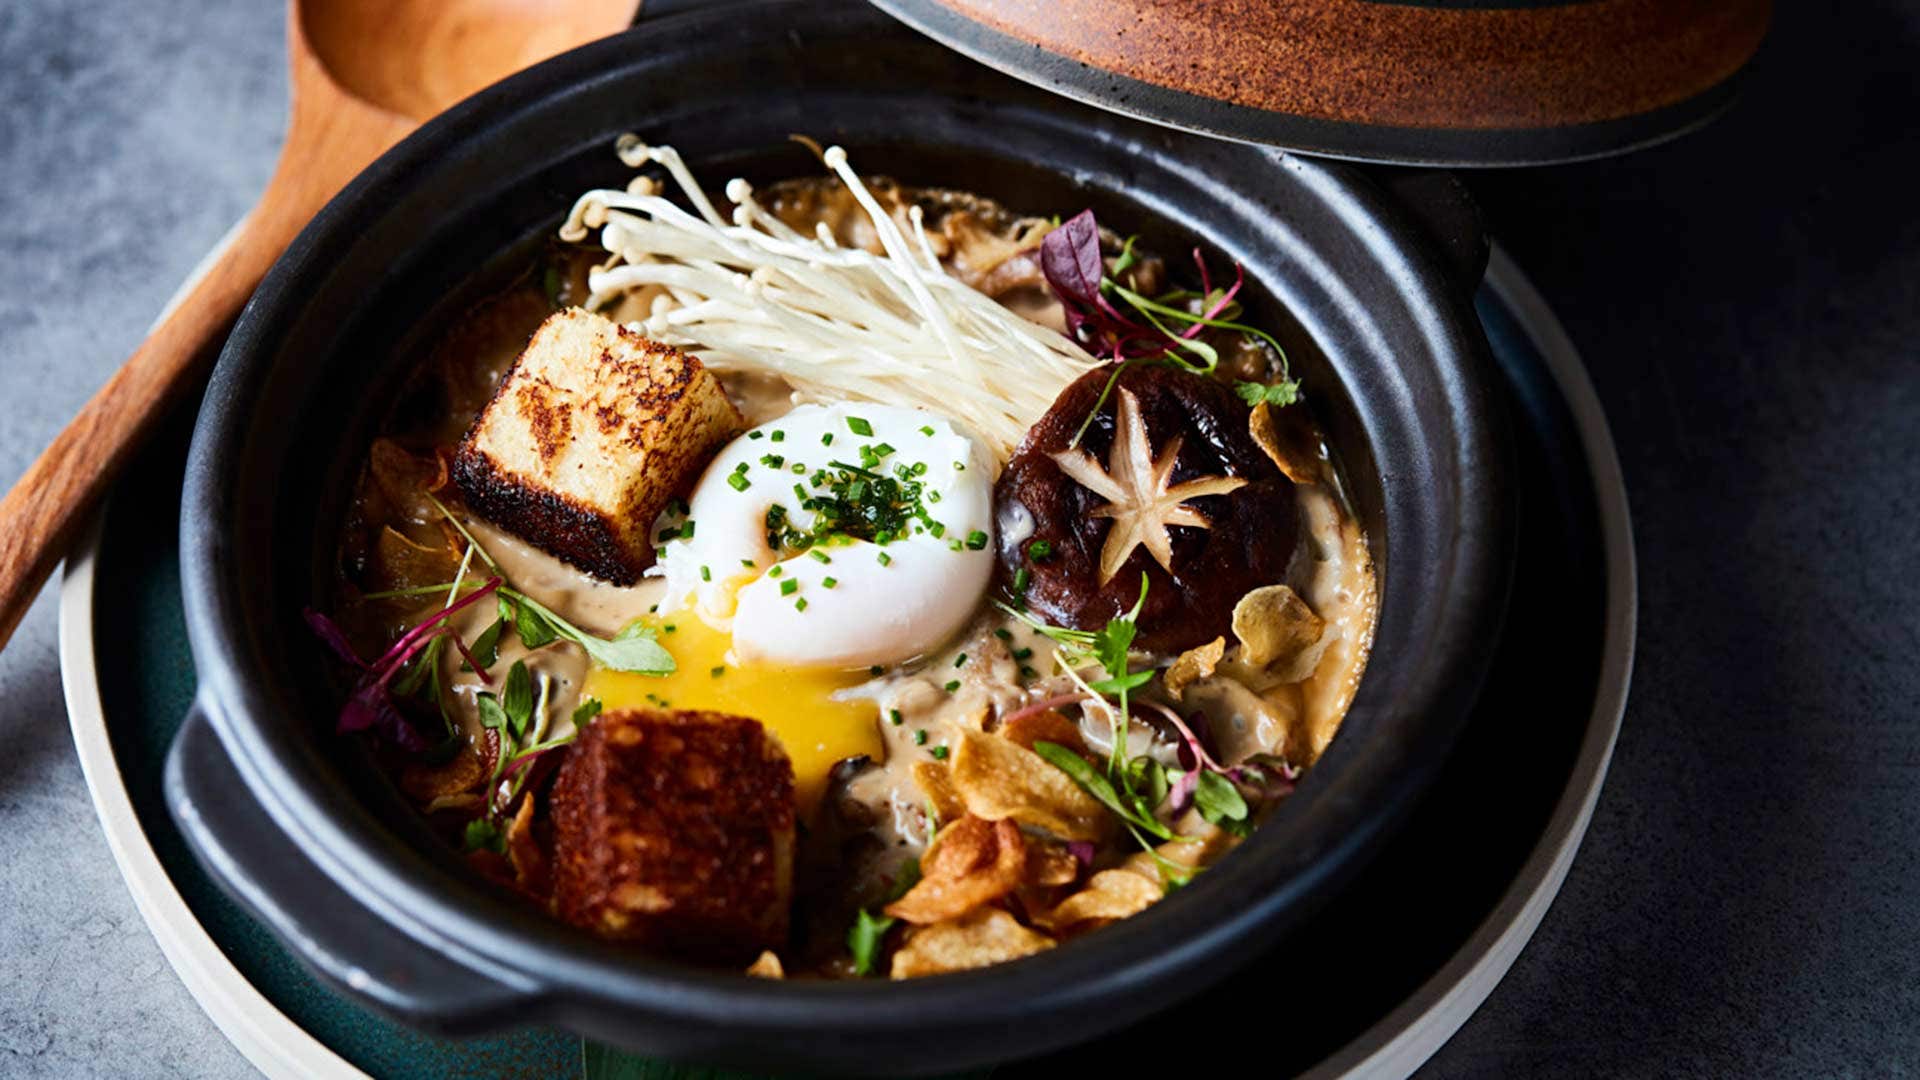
372 705
1076 272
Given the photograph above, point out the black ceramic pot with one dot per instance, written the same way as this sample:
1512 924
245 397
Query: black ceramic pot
1376 316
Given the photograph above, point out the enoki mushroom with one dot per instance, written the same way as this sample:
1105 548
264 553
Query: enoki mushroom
837 323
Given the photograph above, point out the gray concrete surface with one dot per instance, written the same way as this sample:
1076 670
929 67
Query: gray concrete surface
132 134
1746 901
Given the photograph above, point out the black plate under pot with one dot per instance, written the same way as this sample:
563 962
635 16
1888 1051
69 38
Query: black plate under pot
1376 316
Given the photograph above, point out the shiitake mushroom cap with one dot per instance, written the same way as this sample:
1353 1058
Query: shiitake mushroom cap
1251 534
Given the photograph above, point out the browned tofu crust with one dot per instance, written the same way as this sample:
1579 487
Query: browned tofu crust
590 433
563 527
675 830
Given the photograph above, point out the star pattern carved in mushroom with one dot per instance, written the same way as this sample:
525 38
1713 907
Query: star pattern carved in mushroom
1134 483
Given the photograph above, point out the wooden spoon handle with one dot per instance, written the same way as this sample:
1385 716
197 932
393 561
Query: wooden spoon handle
330 137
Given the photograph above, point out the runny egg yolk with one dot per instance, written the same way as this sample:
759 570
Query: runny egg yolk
794 703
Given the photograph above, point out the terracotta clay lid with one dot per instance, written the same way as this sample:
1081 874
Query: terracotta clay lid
1441 82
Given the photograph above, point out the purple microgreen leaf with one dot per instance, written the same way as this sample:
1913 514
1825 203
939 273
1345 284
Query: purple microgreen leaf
329 632
372 707
1195 749
1267 775
1070 259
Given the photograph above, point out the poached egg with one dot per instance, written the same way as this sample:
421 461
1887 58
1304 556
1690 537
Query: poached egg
846 536
817 549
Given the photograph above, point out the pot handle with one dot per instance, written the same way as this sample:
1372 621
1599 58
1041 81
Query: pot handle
1444 212
338 939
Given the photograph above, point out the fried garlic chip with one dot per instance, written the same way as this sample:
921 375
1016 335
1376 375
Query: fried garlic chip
1109 895
1199 845
1277 630
1050 864
1193 665
463 774
998 778
1047 726
400 563
971 863
935 781
767 966
524 852
1298 461
980 939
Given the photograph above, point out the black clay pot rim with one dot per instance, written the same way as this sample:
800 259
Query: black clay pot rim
1125 970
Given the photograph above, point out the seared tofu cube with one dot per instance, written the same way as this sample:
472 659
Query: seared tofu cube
674 830
592 430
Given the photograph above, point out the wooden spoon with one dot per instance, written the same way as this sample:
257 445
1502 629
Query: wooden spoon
364 73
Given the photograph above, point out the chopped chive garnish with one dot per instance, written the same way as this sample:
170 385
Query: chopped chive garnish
894 716
1020 579
960 661
927 430
776 570
939 753
829 582
1039 549
718 670
955 545
686 529
754 434
933 496
976 540
885 559
1003 634
875 669
820 556
1028 673
779 436
919 468
738 482
748 563
959 466
938 530
859 426
706 573
882 450
827 439
789 587
799 469
1023 654
920 737
800 604
742 467
952 685
773 461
